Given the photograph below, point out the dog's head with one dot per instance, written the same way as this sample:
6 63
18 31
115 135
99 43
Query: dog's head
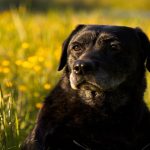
101 58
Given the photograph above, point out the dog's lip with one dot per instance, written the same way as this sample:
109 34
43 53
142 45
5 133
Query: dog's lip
75 81
78 83
88 85
82 81
94 84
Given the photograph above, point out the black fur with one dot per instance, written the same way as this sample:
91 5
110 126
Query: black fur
98 103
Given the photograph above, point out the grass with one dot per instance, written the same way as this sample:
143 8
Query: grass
9 125
30 47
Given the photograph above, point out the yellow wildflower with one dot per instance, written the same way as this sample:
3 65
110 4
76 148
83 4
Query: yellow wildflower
32 59
27 64
5 63
47 86
18 62
6 70
25 45
39 105
37 68
22 88
40 59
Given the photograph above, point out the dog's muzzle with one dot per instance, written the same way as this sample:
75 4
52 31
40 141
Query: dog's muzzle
82 74
81 69
81 79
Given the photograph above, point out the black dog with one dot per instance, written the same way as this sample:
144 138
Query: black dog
98 103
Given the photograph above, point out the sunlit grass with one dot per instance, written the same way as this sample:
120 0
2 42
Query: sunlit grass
30 47
9 122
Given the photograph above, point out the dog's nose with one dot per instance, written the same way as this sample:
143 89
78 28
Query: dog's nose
81 67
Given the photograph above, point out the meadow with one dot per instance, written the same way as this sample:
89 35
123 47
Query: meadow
30 48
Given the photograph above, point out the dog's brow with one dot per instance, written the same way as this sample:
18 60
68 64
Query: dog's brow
107 37
85 37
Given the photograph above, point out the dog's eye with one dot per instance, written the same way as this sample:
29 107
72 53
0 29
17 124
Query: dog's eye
76 47
115 46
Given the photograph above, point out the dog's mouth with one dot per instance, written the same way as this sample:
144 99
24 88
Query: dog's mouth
88 90
78 83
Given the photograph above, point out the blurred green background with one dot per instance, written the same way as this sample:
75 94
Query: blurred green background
31 34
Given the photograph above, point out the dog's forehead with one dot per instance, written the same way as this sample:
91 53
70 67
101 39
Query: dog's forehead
109 29
84 36
91 32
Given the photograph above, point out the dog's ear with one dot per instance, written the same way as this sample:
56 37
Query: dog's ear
63 59
145 45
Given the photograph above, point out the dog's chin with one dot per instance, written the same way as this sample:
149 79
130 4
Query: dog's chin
89 91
